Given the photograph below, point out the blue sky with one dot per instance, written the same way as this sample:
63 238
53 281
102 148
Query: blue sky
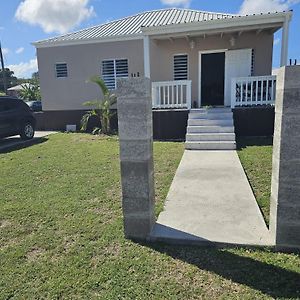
22 22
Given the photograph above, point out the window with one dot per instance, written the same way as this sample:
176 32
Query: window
181 67
113 69
9 104
61 70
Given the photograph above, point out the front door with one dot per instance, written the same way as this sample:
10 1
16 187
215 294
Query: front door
212 79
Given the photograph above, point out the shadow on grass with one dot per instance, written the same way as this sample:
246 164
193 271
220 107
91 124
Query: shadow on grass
244 142
271 280
14 144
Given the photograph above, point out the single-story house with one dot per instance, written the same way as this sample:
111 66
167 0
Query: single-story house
194 59
15 91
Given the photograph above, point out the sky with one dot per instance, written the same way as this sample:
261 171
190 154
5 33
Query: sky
25 21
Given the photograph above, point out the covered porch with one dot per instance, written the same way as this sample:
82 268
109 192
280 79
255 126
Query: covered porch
226 62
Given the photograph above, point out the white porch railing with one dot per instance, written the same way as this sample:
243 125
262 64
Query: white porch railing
253 91
172 94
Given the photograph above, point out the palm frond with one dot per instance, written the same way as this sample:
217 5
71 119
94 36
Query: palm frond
100 82
90 103
85 120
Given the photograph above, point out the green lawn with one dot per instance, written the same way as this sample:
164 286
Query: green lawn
61 234
256 157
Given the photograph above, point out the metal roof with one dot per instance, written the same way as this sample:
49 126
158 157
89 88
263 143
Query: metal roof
132 26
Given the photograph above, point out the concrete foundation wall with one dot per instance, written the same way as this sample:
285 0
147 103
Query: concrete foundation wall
254 121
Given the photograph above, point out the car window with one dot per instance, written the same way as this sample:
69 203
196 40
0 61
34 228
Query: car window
9 105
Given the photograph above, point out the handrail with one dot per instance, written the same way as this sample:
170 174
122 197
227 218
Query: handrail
253 91
172 94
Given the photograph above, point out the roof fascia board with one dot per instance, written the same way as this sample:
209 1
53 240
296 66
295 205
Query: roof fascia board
275 26
49 44
219 24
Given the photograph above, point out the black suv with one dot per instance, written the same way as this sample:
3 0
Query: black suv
16 118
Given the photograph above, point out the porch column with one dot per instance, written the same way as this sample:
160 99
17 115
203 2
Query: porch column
285 42
147 56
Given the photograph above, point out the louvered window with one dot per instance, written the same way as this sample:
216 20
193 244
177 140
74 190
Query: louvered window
113 69
181 67
61 70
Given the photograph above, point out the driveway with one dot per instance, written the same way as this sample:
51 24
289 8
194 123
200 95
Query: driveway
15 142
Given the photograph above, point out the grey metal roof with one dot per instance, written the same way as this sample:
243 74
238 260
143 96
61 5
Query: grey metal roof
131 26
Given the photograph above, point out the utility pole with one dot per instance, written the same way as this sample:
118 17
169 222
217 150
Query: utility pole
3 70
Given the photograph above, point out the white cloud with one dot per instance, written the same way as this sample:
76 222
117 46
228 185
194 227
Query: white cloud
20 50
5 51
184 3
263 6
54 15
276 41
24 69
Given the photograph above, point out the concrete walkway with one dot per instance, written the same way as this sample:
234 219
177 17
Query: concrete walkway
211 201
15 141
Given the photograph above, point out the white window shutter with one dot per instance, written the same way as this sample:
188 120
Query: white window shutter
113 69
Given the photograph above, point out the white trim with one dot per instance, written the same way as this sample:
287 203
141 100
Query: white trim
200 73
49 44
285 42
275 19
147 65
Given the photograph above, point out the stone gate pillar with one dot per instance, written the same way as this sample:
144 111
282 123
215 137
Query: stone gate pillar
136 155
285 193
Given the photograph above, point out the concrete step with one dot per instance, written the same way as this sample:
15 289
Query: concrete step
211 116
211 110
196 137
210 129
210 145
206 122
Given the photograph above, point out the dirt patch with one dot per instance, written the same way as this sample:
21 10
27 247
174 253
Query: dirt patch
34 254
10 243
92 138
5 223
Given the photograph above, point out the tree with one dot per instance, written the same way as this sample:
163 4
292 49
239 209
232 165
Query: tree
11 80
35 76
30 91
101 110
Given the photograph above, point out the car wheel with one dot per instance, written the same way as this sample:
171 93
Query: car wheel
27 131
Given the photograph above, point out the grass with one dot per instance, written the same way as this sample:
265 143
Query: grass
61 234
256 157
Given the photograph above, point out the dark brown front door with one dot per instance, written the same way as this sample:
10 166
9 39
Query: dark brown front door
212 79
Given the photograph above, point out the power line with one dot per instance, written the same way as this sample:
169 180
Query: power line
3 70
